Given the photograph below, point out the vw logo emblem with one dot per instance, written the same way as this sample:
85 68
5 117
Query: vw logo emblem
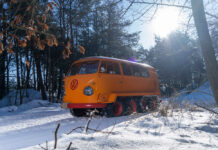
74 84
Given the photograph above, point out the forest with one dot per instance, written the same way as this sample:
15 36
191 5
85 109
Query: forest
156 86
39 40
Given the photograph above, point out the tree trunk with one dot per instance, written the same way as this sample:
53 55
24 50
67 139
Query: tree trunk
60 86
17 67
8 63
39 74
206 45
28 68
3 57
2 74
34 75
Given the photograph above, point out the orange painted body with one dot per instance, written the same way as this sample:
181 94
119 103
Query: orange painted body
107 87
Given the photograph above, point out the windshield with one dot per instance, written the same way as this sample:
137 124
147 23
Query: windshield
84 68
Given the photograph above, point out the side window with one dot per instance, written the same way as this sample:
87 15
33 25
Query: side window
109 67
74 69
144 72
126 69
89 67
103 68
136 70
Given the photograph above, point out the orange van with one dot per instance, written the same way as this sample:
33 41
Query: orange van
113 86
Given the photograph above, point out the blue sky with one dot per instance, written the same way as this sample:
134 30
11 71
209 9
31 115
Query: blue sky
166 20
146 35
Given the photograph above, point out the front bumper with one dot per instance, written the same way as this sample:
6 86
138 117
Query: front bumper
83 105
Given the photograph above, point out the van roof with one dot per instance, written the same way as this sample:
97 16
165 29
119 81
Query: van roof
110 58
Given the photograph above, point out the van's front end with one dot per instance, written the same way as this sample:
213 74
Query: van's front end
81 90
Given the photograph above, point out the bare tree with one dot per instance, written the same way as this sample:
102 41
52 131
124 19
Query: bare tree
199 15
206 45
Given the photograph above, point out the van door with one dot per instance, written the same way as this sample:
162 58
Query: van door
129 83
147 80
110 77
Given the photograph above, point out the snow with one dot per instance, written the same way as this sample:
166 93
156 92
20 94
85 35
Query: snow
202 95
13 96
34 123
30 125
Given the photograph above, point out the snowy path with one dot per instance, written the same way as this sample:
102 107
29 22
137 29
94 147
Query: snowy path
25 128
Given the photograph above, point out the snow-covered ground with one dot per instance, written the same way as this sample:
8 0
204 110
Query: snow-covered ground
202 95
34 123
31 124
13 98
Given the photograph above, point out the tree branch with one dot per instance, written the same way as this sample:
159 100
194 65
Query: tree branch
206 108
56 139
91 130
174 5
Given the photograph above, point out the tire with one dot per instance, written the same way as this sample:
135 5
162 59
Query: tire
78 112
153 104
130 107
114 109
142 105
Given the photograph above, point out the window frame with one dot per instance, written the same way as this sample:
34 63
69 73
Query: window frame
108 61
80 65
144 68
130 68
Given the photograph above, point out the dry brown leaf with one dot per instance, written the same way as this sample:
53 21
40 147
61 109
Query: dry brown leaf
29 7
50 42
68 45
55 41
44 41
10 45
10 51
22 43
1 36
28 37
18 19
54 4
81 49
40 45
49 6
14 36
45 27
66 53
27 63
1 47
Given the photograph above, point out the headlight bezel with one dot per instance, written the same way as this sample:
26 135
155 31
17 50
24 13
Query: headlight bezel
88 91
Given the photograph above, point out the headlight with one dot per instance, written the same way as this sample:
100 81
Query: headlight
88 91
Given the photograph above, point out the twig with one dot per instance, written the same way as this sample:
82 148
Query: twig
173 5
43 147
68 148
101 131
56 131
111 130
47 145
91 130
74 130
206 108
92 113
130 5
